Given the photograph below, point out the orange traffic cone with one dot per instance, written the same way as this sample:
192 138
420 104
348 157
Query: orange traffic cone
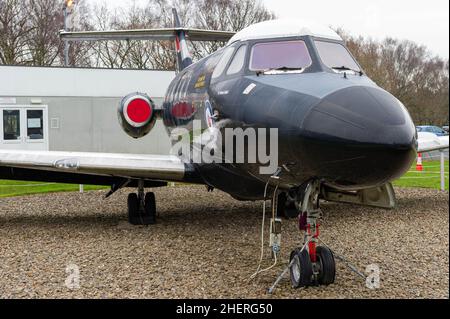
419 166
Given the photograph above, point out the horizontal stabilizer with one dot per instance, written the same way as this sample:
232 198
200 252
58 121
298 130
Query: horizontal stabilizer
147 34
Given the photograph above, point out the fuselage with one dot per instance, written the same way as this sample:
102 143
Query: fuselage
334 123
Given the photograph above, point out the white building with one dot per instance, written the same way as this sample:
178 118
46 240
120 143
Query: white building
75 109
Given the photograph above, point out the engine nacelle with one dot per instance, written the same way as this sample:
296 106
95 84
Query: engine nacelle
137 114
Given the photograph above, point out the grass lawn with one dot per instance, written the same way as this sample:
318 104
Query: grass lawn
429 178
15 188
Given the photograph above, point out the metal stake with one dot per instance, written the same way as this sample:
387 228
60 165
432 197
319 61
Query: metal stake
442 170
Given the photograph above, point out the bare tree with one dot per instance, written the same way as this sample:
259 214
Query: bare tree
146 54
227 15
206 14
43 42
410 72
14 30
29 33
110 54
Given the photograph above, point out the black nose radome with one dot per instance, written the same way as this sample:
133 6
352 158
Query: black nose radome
367 133
370 103
362 115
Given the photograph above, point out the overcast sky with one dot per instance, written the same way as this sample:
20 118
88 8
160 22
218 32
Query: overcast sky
425 22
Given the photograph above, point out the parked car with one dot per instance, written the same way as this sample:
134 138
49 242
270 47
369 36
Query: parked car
432 129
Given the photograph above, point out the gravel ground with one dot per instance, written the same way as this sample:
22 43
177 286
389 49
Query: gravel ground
207 245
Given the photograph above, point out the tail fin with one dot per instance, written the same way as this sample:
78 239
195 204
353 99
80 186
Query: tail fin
183 56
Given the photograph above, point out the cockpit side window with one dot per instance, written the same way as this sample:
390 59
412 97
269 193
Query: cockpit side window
336 56
220 67
186 84
184 81
277 55
169 92
172 91
238 61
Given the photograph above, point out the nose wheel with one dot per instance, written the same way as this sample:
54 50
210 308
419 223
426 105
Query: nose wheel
300 268
312 264
326 266
141 207
304 272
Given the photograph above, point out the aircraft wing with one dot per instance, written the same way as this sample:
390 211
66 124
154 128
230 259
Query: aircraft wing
429 142
150 167
147 34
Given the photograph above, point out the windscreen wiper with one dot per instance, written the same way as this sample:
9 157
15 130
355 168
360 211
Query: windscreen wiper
346 68
283 68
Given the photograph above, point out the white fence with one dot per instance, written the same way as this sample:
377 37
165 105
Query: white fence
442 174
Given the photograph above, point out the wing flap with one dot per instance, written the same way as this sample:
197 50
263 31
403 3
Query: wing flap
154 167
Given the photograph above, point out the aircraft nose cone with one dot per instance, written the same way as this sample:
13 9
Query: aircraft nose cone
363 115
360 136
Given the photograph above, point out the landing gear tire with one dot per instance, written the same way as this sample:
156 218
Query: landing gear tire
301 270
150 209
327 266
145 215
133 209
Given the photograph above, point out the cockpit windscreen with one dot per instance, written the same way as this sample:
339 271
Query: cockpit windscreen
336 56
280 55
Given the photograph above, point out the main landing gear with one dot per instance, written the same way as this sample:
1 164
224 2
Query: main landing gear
311 264
141 207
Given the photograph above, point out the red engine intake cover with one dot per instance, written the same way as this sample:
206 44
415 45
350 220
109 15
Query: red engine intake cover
137 114
138 111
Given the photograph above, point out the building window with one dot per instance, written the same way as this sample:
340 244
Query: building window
11 125
35 124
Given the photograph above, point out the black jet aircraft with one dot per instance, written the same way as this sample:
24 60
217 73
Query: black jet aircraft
340 136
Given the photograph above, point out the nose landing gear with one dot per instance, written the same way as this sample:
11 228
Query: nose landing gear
141 207
312 264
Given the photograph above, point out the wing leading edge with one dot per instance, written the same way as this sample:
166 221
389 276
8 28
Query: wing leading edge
150 167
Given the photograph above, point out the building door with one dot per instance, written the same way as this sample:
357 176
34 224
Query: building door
24 127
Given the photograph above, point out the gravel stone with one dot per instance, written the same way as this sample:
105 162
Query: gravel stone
207 245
